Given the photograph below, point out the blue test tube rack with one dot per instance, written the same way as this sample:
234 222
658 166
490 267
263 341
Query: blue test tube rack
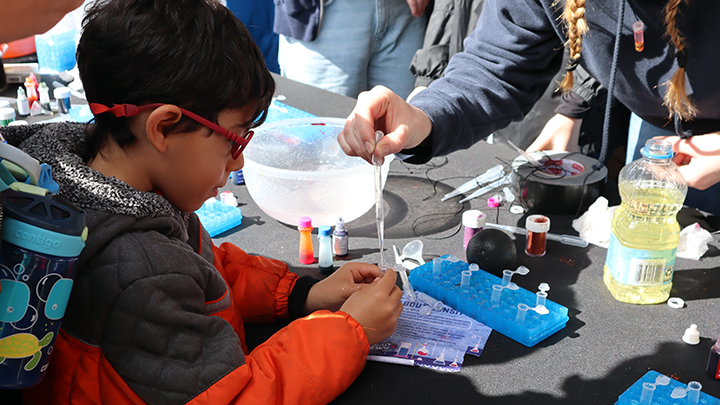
508 309
658 389
217 217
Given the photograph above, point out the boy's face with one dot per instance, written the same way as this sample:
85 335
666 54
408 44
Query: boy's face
202 163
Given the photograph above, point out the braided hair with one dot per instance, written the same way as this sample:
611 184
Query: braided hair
676 100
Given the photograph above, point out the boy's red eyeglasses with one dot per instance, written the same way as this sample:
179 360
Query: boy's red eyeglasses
128 110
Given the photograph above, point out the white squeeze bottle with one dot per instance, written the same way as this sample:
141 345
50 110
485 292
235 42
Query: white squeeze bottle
340 239
645 233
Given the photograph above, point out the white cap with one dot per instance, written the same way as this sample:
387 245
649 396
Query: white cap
692 335
18 123
4 104
537 223
61 92
7 113
473 219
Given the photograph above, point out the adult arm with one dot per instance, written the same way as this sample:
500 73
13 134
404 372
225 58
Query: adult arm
508 61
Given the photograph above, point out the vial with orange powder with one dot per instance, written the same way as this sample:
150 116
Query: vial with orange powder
537 227
306 248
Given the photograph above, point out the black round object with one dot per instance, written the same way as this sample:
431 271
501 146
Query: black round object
493 250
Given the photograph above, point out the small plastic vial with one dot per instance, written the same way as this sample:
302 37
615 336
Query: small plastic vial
325 260
44 91
340 239
23 106
7 115
638 36
306 249
537 227
713 366
62 95
32 94
473 222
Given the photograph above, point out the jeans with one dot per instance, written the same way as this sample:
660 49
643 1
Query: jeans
639 132
361 43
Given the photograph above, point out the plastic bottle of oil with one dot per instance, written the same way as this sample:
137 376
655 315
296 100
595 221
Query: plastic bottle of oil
645 233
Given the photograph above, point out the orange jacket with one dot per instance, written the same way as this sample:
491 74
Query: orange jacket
310 361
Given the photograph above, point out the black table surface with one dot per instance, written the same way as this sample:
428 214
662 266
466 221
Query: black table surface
605 347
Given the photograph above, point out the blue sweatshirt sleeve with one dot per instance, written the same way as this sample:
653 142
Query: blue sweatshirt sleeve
508 62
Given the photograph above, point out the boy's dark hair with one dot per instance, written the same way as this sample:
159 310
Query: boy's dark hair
192 53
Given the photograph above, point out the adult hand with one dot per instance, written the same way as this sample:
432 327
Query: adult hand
417 7
560 133
404 126
376 308
698 159
332 292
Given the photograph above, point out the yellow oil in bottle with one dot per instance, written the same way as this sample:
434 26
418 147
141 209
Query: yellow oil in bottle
646 235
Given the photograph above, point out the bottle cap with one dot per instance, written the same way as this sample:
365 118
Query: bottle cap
61 92
340 224
537 223
324 230
692 335
473 219
657 149
305 222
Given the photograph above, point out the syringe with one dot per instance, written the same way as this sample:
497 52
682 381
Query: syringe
491 174
488 188
564 239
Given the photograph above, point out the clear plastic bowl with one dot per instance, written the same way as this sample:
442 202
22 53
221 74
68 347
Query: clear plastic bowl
295 168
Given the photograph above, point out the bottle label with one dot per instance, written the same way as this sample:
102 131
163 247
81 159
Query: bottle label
639 267
340 245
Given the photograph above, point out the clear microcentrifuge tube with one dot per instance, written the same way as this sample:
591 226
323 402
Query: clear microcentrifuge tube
407 287
452 259
437 267
647 393
541 297
432 302
693 392
465 279
474 267
425 310
522 311
507 276
497 290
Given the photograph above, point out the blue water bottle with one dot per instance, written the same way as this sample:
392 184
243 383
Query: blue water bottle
42 235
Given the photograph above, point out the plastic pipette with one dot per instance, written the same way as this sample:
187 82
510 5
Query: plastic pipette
564 239
491 174
379 209
488 188
527 156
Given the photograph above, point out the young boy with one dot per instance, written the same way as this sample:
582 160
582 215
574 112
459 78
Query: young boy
156 312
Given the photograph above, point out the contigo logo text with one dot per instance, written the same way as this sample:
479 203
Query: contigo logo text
40 240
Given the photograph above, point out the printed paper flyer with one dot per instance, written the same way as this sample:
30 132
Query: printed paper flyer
439 340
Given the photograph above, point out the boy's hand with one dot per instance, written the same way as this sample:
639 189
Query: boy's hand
377 308
332 292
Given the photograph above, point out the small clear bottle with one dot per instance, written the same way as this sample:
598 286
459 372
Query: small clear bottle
306 248
23 106
644 232
325 258
340 239
44 94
